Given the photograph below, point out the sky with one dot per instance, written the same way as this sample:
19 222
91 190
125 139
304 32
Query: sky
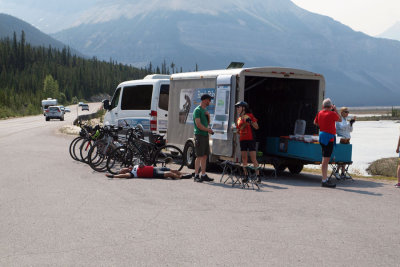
372 17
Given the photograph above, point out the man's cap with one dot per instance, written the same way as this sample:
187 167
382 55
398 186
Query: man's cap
206 96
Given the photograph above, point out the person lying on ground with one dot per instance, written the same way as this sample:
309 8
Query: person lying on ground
142 171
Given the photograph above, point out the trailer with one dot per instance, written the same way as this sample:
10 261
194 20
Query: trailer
46 103
278 98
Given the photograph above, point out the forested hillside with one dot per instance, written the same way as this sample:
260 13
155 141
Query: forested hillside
29 74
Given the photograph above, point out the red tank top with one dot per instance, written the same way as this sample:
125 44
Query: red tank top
143 172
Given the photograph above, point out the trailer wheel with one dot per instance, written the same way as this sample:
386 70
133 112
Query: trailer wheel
295 168
279 167
189 154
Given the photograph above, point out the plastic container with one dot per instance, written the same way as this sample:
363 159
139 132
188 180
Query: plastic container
299 127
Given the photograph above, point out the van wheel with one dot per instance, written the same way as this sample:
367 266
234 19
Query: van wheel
189 155
295 168
47 118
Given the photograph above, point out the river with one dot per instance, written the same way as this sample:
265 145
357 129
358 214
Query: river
373 140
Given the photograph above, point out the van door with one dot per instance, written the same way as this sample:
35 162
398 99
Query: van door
136 105
162 109
112 115
224 116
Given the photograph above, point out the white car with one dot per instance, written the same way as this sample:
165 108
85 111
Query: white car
54 112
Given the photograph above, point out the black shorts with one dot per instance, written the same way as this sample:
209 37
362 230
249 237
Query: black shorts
201 145
248 145
327 150
158 172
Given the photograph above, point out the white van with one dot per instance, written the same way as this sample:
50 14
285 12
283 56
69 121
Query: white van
142 102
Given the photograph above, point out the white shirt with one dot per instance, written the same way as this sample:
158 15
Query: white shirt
134 171
344 128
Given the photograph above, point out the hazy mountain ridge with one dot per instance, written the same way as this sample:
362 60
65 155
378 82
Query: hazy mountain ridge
10 24
392 33
359 69
48 15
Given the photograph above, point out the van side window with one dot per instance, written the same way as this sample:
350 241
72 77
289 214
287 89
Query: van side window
137 97
115 100
164 97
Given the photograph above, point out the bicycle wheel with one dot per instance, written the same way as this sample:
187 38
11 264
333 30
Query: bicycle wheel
84 151
121 157
71 147
97 159
76 149
169 156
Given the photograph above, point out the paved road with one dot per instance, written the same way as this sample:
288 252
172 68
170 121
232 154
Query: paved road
57 212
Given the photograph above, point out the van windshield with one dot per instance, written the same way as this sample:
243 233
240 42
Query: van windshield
137 97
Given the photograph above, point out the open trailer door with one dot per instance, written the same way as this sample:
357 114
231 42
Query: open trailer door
224 116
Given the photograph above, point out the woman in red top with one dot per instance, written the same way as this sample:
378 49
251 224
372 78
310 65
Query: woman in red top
246 124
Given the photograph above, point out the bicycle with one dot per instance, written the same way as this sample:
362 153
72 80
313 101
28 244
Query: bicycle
137 150
75 146
102 148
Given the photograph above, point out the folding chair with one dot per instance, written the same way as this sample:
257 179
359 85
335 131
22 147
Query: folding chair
232 171
251 177
337 167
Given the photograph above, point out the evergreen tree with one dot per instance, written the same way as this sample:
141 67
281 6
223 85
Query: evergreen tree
29 74
50 87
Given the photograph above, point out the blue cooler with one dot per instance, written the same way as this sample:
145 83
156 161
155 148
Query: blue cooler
310 152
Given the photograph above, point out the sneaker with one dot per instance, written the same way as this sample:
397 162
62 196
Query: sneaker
186 176
338 176
196 178
328 184
206 178
397 185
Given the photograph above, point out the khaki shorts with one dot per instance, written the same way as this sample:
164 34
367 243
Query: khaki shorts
201 145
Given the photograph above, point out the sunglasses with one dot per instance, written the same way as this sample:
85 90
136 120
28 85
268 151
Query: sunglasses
345 111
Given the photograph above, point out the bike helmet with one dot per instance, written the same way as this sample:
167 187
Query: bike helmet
242 104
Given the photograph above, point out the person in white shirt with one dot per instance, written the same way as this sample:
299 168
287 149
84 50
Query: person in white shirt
345 127
343 130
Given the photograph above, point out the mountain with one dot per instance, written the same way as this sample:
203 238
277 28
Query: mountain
47 15
10 24
359 70
392 33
